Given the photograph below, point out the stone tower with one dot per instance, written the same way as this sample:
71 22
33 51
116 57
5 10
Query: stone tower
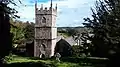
45 31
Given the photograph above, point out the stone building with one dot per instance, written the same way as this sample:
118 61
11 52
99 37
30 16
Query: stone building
45 31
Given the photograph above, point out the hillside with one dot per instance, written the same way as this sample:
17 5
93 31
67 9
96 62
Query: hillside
69 31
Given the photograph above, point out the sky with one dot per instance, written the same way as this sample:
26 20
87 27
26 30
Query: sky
70 12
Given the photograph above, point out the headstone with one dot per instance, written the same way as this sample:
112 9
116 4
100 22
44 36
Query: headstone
57 56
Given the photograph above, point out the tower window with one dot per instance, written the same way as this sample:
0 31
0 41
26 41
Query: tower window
43 20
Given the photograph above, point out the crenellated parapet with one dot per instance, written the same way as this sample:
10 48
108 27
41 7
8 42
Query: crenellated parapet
46 10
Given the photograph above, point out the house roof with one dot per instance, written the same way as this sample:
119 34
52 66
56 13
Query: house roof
70 40
59 37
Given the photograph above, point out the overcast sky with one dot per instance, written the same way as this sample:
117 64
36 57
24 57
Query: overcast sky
70 12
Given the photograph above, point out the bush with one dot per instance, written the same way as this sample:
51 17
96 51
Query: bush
76 51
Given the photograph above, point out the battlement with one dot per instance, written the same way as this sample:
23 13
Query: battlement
46 10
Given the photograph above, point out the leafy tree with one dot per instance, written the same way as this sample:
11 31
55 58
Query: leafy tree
85 47
29 35
106 28
22 32
71 31
18 32
76 51
105 25
86 44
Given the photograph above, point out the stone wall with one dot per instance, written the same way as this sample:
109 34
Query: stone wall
45 31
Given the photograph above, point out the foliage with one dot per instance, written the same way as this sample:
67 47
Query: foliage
18 32
85 48
105 25
22 31
86 45
29 35
71 31
65 62
76 51
9 10
5 36
4 33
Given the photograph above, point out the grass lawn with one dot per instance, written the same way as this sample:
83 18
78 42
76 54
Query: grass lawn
32 62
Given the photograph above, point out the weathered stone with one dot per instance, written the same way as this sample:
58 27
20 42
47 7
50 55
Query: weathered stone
45 31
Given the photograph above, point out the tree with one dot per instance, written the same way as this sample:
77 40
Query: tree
5 37
106 27
22 32
18 30
71 31
29 35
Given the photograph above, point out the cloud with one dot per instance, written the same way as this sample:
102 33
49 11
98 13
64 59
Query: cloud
70 12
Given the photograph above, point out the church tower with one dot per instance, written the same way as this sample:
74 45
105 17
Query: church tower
45 31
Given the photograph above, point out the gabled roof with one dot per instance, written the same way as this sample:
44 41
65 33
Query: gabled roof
70 40
59 37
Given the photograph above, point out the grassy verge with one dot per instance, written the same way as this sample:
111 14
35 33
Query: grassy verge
36 62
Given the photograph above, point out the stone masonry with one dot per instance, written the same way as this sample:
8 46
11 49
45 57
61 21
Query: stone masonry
45 31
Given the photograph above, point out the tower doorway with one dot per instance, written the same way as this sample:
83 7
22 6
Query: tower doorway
42 50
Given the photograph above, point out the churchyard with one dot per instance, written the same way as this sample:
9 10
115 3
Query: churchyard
15 60
35 44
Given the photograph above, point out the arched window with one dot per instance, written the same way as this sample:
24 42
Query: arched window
43 20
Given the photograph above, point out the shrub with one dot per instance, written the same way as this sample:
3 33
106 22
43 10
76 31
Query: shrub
76 51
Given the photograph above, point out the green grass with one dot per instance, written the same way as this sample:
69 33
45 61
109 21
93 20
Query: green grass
33 62
19 59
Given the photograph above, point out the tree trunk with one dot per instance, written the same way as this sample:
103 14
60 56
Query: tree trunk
5 40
